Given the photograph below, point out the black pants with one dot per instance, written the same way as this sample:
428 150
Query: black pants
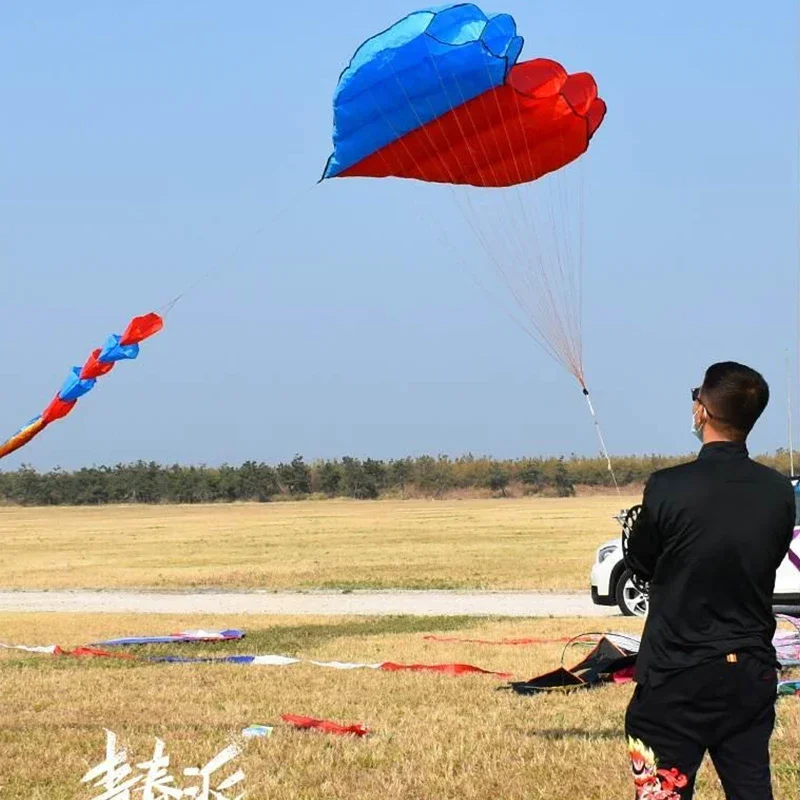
726 708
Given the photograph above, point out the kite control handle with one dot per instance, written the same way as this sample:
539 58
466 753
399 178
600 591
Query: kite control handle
628 522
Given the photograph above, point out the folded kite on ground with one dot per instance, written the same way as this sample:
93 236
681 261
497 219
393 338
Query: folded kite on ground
787 644
182 637
270 660
788 688
613 660
607 662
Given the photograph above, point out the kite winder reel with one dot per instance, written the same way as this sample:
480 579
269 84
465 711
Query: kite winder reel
627 519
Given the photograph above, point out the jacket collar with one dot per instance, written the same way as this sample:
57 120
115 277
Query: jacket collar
717 450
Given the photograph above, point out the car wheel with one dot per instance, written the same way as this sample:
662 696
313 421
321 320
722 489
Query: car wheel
632 601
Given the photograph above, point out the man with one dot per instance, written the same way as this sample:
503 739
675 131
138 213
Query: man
709 538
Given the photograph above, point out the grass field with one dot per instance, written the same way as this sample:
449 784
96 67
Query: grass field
433 736
545 544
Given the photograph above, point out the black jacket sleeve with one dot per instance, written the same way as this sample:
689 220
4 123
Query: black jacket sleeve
644 543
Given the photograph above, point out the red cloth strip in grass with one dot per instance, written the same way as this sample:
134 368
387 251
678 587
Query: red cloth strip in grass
445 669
325 725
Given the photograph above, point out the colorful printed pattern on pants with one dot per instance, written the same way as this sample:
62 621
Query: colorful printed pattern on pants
651 782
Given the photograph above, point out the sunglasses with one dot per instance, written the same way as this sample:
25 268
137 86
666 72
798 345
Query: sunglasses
696 399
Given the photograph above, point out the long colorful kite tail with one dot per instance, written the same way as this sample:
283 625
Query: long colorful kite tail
81 380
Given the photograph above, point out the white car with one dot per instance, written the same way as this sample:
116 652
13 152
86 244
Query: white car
612 582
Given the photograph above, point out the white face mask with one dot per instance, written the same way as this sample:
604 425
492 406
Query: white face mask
697 430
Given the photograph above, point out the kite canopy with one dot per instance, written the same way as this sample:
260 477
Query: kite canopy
440 97
83 379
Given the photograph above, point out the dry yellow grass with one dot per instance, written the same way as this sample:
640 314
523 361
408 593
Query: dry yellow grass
543 544
434 736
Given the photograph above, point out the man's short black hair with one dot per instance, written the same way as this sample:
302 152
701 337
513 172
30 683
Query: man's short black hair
735 396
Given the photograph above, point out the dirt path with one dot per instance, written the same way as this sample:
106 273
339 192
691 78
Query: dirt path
444 603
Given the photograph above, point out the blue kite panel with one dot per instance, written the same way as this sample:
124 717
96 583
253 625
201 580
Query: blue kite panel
187 637
134 640
202 659
74 387
114 351
26 426
422 67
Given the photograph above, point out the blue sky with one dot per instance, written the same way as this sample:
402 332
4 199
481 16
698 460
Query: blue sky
145 144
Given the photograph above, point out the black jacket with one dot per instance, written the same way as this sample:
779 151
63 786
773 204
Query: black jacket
710 538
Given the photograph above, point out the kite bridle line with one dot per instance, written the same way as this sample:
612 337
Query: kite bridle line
553 318
594 636
601 438
789 413
559 334
231 260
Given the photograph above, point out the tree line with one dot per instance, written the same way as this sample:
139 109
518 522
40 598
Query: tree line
367 479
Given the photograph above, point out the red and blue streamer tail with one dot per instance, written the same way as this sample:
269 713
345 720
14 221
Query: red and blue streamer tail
83 379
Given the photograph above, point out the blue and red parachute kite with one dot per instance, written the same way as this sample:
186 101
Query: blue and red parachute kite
440 97
82 379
